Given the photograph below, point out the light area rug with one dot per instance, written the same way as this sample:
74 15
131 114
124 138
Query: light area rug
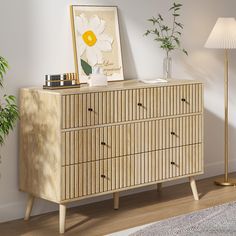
215 221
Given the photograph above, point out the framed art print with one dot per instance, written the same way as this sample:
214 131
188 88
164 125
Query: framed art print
96 41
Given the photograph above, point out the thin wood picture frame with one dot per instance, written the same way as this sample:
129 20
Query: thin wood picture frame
96 41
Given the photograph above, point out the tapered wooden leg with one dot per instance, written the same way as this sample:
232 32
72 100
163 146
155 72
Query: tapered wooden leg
116 200
29 206
159 187
62 218
194 188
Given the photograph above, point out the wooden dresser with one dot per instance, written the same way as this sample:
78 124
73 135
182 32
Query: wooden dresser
86 142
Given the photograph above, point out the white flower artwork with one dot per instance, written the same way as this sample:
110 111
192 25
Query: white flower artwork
91 38
96 41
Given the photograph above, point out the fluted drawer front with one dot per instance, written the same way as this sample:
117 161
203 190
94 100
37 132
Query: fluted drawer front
127 171
81 110
93 144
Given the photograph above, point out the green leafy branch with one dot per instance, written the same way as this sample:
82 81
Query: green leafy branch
8 109
168 37
3 69
8 116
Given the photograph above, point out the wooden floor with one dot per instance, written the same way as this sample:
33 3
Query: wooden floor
100 218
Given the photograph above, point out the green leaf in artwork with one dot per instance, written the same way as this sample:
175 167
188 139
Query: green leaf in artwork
86 67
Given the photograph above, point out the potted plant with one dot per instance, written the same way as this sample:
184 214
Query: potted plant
168 37
8 108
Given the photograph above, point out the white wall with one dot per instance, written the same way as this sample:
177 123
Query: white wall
35 37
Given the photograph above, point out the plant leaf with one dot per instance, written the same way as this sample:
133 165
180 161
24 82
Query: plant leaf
153 20
165 28
180 25
86 67
3 69
184 51
8 116
155 31
147 33
160 17
177 41
178 5
177 32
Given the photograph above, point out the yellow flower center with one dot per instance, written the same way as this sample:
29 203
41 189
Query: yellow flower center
89 38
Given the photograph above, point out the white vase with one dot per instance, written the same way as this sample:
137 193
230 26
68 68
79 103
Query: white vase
167 68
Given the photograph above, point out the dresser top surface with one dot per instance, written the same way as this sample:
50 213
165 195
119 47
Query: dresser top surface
112 86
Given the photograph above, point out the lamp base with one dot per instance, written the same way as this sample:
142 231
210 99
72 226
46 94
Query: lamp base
222 182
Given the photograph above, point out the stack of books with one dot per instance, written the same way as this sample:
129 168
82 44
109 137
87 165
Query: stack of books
67 80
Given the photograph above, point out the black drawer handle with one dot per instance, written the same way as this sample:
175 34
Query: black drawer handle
172 163
140 104
103 143
103 176
90 109
172 133
183 99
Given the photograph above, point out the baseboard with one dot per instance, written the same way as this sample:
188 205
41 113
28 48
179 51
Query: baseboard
15 210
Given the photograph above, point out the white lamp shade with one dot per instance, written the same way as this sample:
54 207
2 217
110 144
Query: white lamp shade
223 34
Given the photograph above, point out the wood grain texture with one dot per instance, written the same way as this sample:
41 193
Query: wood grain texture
116 200
29 206
122 85
40 144
118 172
62 218
194 188
129 104
86 142
101 141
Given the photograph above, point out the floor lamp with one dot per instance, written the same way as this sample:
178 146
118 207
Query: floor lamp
223 36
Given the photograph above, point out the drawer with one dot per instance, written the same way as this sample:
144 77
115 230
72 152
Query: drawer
82 110
93 144
119 173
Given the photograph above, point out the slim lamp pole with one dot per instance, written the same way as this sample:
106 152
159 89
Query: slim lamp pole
226 114
226 181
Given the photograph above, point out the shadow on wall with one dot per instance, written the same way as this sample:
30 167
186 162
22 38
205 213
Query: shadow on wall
196 71
127 55
213 137
202 65
214 143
